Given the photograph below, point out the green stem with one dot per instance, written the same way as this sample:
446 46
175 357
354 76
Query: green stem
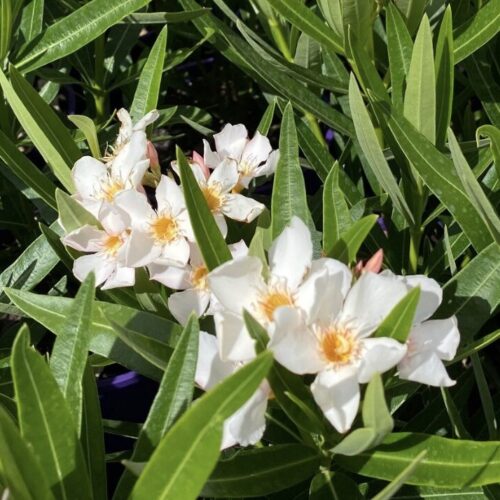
98 88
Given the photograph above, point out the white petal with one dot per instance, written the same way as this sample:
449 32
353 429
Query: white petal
425 368
122 276
175 253
113 219
291 253
257 150
431 296
137 174
269 166
96 262
293 344
211 158
169 195
182 304
241 208
87 174
371 299
236 283
341 274
141 250
146 120
378 356
177 278
235 343
238 249
129 155
126 126
137 207
220 220
337 394
210 369
438 335
231 141
225 175
247 425
184 224
85 239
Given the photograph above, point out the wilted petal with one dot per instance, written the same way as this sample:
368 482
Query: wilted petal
337 394
231 141
241 208
247 425
210 369
85 239
378 356
426 368
293 344
182 304
97 263
235 343
236 283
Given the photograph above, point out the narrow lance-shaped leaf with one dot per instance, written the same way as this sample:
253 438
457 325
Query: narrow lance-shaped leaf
208 236
72 215
77 29
148 88
46 423
173 397
32 20
420 96
188 453
87 126
5 27
70 351
494 135
370 145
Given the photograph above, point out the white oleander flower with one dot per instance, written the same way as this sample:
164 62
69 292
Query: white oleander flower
254 157
294 280
192 280
430 341
332 341
246 426
160 236
217 189
97 182
106 248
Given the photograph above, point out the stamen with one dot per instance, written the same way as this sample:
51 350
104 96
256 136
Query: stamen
338 345
272 298
110 189
112 244
199 276
164 228
213 196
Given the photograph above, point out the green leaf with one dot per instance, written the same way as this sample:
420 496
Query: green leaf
400 48
328 485
77 29
449 463
6 22
52 312
494 134
397 324
308 22
437 171
19 470
42 125
26 171
473 188
445 76
164 17
420 96
412 11
148 88
473 294
336 216
172 399
92 436
289 192
208 236
347 247
187 454
369 143
356 442
32 20
87 126
477 31
401 479
267 118
46 422
262 471
72 215
70 351
359 15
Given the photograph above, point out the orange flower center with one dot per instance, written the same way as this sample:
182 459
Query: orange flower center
272 299
112 244
338 345
213 197
199 277
164 229
110 189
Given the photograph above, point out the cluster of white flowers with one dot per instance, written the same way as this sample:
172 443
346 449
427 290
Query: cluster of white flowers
320 318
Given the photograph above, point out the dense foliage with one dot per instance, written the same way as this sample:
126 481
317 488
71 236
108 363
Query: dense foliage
166 250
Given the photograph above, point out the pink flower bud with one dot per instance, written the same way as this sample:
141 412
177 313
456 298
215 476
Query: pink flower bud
374 263
197 158
152 155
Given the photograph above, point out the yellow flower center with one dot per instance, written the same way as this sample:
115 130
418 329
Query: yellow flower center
164 229
272 299
338 345
112 244
213 197
199 277
110 189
